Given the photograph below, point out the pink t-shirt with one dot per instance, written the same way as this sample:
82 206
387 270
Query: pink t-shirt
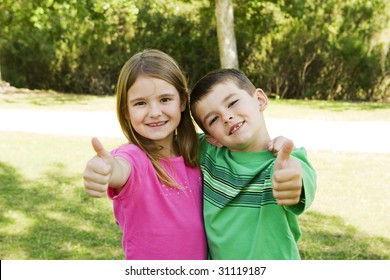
159 222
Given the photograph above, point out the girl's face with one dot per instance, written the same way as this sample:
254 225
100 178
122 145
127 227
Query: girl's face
155 109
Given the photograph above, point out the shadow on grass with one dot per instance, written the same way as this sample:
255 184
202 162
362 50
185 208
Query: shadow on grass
52 218
328 238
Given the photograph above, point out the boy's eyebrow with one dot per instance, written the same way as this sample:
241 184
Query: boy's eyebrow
223 101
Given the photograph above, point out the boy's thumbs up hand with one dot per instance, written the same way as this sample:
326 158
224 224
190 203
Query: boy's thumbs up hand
287 176
98 171
283 156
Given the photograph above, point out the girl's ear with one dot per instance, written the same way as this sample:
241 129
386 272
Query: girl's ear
261 98
213 141
183 106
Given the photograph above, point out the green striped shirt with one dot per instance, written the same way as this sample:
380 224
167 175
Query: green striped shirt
242 218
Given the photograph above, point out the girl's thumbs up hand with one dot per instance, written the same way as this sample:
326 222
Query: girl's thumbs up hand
98 171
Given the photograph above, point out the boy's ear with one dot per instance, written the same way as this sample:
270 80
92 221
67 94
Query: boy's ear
213 141
261 98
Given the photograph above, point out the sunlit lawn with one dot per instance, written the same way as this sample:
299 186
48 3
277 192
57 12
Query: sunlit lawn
45 214
349 218
323 110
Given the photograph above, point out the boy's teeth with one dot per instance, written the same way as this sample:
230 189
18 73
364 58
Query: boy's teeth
236 127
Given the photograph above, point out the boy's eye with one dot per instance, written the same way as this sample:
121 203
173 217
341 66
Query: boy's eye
213 120
232 103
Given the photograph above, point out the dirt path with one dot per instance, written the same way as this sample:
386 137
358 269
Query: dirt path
367 136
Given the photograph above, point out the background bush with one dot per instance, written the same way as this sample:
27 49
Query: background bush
314 49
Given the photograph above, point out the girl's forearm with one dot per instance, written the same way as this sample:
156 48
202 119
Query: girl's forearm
120 172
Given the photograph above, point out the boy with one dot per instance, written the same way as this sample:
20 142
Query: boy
251 200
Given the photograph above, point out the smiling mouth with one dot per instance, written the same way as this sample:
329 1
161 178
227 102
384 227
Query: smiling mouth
157 124
235 128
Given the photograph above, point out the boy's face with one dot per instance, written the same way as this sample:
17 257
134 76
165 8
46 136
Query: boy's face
233 118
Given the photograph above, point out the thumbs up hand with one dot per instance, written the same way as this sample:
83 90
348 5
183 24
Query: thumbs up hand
276 144
287 176
98 171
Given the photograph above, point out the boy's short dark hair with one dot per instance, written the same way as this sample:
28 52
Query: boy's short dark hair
207 82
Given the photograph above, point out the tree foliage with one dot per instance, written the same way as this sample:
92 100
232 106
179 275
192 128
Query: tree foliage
315 49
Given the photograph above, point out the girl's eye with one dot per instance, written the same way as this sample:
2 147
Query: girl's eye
213 120
165 99
232 103
140 103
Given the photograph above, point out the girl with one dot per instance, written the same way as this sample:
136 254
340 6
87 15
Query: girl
154 181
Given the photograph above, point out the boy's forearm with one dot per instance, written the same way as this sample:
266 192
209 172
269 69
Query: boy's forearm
309 181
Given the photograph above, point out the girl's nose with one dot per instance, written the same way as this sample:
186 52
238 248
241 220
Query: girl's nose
155 111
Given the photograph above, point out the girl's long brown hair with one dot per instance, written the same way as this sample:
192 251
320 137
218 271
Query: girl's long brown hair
157 64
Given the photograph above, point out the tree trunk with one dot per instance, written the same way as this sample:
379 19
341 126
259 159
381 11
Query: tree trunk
226 37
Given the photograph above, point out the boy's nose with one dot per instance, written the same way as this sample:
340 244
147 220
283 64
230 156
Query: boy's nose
228 118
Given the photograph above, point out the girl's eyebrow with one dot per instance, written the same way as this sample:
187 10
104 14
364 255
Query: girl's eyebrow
136 99
162 95
223 101
167 94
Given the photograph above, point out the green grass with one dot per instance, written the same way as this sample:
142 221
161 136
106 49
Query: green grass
45 213
349 218
48 100
326 110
